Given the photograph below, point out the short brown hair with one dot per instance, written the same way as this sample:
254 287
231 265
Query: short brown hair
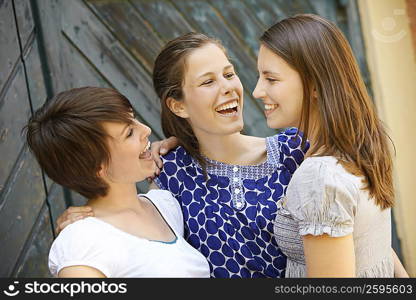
68 140
349 127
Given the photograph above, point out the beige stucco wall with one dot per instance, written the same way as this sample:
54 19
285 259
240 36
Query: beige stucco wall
392 63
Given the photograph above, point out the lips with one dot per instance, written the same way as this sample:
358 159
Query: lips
269 108
229 108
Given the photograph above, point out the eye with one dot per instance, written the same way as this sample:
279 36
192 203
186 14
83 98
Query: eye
206 82
229 75
271 80
130 132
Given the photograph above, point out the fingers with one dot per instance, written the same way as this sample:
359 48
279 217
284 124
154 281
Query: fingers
155 149
78 209
72 214
161 148
71 219
168 144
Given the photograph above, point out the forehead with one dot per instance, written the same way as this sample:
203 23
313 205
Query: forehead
269 61
208 58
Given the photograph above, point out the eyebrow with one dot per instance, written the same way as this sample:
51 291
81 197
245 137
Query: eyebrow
209 73
270 73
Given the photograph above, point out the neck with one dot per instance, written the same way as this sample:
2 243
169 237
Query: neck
234 149
313 135
120 196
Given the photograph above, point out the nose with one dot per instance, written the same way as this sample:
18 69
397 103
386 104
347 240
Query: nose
258 90
145 130
226 86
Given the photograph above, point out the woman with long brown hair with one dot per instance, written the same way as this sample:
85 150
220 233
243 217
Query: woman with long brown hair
335 218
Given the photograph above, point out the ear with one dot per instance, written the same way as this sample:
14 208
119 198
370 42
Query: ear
102 172
177 107
314 93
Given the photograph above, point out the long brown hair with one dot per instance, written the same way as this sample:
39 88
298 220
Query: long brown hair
68 140
348 125
168 78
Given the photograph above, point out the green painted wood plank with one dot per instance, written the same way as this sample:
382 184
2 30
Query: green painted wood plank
9 54
57 67
108 56
19 210
267 12
241 21
14 113
123 20
33 261
35 79
163 17
56 200
24 20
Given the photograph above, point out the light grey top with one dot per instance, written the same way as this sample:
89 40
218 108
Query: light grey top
323 198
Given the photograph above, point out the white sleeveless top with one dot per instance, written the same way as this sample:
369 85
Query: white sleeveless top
98 244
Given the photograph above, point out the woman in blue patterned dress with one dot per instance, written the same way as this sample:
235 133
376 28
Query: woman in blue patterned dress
228 214
227 183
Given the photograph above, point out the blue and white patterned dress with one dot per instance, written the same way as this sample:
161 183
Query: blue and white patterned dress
229 218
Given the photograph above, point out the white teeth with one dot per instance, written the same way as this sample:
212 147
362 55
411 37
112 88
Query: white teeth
147 148
227 106
270 106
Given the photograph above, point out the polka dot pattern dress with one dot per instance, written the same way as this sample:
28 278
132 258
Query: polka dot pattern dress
229 217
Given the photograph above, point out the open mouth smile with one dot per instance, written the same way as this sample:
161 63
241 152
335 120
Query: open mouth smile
146 153
228 109
269 108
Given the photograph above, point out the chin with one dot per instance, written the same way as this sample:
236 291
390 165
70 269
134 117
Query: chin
237 127
274 124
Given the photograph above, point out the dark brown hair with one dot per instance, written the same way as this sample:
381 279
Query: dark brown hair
168 78
68 140
348 126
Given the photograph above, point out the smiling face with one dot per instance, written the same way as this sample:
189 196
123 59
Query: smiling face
213 93
280 88
130 158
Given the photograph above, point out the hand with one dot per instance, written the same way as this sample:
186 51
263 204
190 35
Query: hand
72 214
161 148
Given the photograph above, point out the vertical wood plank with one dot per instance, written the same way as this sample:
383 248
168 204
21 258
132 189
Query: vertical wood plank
34 259
133 32
14 113
9 53
20 206
108 56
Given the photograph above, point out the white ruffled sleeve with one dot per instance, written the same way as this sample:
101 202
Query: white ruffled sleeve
321 199
80 244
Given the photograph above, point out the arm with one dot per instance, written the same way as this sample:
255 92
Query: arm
327 256
399 270
80 271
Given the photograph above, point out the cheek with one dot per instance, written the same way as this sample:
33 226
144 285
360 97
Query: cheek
238 85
